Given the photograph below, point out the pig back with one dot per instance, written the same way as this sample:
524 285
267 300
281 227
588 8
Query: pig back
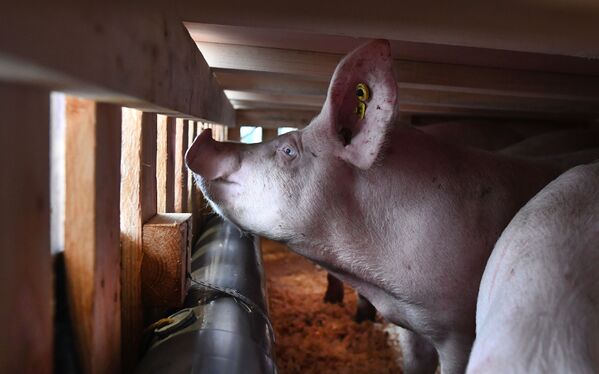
538 298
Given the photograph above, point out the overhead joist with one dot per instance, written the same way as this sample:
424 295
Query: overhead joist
319 66
138 56
275 118
424 97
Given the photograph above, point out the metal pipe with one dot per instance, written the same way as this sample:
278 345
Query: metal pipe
224 327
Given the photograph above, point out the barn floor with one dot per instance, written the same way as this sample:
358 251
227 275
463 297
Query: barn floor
314 337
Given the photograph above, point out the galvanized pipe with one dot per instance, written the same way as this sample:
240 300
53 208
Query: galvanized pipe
224 328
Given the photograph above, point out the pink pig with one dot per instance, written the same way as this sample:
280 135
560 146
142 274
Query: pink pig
406 220
538 306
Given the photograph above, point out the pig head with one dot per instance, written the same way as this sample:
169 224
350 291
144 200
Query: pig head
277 188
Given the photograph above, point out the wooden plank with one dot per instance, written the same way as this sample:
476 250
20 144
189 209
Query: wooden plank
556 27
92 246
233 134
165 164
181 142
138 204
401 49
269 133
256 90
438 76
26 288
140 57
275 118
191 128
166 261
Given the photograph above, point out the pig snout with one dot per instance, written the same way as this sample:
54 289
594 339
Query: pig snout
210 159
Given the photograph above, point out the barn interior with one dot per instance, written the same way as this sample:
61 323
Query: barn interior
111 260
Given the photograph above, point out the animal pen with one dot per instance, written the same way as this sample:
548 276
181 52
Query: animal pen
106 241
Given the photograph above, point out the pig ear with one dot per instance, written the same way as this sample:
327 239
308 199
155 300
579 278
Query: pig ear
362 135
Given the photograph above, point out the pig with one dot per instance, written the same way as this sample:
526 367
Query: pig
406 220
537 309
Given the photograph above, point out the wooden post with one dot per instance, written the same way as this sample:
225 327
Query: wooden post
25 262
138 204
181 135
165 164
268 133
92 246
233 134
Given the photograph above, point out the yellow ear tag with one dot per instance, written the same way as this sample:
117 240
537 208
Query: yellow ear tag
363 94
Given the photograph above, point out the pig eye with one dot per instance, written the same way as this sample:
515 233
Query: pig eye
289 151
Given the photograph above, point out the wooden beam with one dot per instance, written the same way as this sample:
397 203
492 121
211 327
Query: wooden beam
314 101
165 164
244 80
166 262
138 204
558 27
181 143
268 133
191 128
320 66
119 46
92 246
233 134
275 118
255 90
285 38
26 288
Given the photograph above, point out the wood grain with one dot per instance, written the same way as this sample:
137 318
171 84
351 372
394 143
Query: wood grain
92 246
166 260
25 264
138 204
141 57
181 142
165 164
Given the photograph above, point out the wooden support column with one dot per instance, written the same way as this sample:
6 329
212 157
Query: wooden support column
138 205
181 136
268 133
165 164
233 134
92 246
25 263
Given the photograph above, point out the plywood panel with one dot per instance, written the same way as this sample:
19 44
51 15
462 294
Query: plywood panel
25 264
138 204
92 246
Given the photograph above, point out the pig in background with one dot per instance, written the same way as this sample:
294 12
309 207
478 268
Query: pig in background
408 221
538 306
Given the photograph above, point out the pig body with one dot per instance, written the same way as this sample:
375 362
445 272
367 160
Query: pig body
539 296
406 220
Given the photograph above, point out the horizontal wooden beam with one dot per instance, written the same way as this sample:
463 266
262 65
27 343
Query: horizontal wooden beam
435 76
275 118
557 27
423 97
135 56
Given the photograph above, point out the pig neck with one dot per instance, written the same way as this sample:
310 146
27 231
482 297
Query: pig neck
419 225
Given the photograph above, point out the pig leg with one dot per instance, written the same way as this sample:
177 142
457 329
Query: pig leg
419 356
365 310
334 293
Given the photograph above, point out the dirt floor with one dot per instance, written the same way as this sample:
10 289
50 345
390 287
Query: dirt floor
314 337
